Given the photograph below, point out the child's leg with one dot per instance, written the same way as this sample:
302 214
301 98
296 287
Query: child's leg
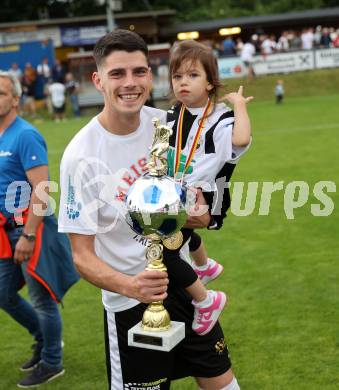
207 269
197 250
200 255
208 305
209 302
197 291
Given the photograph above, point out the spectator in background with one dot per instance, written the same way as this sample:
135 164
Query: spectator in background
333 34
317 36
28 89
325 40
335 41
72 90
228 47
57 93
295 40
307 39
58 72
239 46
44 70
15 71
247 57
268 45
283 44
279 91
43 78
256 41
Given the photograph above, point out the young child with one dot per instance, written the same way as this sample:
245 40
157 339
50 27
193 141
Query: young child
279 91
207 141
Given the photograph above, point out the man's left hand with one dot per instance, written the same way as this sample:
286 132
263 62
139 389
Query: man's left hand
23 250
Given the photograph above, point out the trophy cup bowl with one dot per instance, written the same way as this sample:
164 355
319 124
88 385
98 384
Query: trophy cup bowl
156 205
156 208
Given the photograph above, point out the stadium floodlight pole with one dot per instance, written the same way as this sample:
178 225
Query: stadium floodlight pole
109 14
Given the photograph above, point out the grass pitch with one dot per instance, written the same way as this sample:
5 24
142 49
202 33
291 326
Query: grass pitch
281 275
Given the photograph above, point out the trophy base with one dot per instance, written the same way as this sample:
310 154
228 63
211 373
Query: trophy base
161 341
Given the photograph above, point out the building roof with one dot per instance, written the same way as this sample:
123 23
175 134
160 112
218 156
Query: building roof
249 21
87 19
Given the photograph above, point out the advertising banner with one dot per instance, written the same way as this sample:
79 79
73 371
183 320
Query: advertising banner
231 67
42 34
284 62
327 58
77 36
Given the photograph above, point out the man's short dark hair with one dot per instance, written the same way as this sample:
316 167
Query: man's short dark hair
118 39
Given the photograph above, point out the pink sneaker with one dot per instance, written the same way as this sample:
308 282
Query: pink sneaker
206 317
213 270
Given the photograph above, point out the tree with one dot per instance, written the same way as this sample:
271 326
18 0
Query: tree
187 10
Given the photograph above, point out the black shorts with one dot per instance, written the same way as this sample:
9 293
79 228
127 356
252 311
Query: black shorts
130 368
59 110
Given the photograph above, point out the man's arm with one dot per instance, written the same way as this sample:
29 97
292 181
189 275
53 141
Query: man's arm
24 248
147 286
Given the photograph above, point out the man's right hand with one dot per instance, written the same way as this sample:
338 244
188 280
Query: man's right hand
148 286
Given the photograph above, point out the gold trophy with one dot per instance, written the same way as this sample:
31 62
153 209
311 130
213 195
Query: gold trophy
157 207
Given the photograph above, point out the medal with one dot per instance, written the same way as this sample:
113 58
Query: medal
174 241
178 141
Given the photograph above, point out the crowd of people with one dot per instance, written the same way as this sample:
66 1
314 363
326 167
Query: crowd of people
289 40
51 85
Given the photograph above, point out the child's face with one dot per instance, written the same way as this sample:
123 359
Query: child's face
190 85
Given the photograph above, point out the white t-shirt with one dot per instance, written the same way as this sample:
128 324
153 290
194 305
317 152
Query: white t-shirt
96 169
307 40
247 52
215 146
268 46
44 70
57 92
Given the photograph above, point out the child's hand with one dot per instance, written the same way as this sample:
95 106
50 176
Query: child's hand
236 97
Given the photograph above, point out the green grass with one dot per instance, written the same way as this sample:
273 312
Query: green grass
322 82
281 275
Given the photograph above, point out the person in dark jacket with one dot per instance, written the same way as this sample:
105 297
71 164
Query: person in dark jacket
31 250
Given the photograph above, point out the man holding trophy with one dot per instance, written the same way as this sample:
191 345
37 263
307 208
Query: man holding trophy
98 168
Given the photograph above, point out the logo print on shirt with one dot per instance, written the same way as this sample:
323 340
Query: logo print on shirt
5 154
73 208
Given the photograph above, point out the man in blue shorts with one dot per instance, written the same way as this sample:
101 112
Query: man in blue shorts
28 239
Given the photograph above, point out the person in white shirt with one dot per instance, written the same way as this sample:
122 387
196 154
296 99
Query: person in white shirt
98 167
268 45
307 39
15 71
44 69
283 44
57 92
247 57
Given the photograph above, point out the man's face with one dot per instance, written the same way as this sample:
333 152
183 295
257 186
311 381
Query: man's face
125 81
7 101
